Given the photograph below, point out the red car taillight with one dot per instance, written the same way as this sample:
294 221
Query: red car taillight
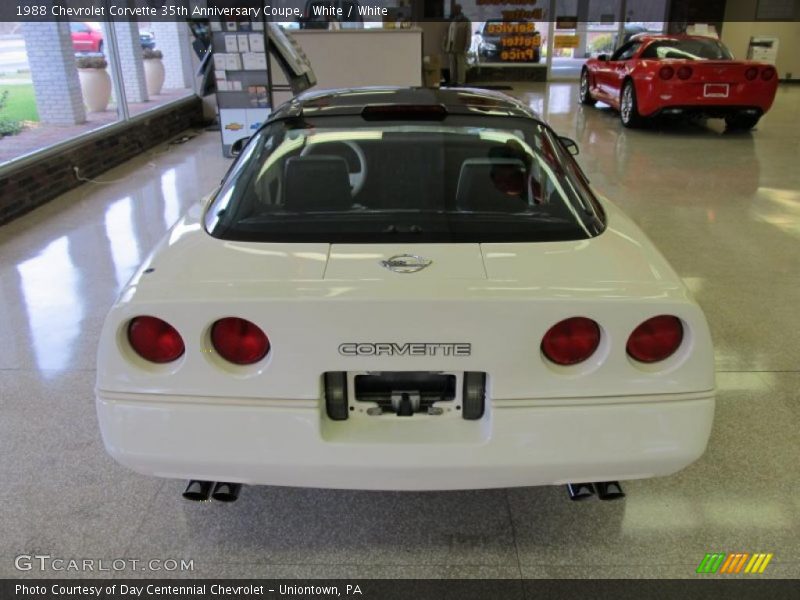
239 341
767 73
655 339
155 340
666 72
571 341
684 72
751 73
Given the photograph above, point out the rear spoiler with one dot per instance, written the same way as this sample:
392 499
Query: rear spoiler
411 112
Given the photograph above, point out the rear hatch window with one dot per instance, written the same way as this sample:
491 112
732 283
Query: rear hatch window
355 180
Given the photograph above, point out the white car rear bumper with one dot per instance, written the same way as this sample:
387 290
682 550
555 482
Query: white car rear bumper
516 443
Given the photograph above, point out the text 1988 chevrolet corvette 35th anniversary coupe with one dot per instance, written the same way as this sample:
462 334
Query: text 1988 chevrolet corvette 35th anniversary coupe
405 289
679 74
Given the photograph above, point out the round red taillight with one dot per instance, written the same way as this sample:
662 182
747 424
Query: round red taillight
684 72
239 341
655 339
751 73
666 72
767 73
571 341
155 340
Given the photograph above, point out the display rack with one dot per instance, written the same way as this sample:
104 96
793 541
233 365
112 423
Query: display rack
243 75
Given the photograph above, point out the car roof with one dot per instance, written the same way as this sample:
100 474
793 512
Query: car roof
649 37
352 101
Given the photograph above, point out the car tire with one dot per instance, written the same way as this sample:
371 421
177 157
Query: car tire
336 395
473 399
585 93
741 122
628 107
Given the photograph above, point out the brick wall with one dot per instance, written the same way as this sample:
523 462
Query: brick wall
34 184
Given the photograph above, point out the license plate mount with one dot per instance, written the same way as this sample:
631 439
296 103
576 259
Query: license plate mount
716 90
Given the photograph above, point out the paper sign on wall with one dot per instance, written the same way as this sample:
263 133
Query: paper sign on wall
763 48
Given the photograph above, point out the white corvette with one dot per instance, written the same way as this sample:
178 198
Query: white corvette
405 289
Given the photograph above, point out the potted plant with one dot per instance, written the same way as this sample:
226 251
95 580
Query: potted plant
95 82
153 71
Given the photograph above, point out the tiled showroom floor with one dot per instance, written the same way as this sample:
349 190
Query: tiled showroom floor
724 209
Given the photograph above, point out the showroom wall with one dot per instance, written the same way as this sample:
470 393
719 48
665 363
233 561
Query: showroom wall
741 24
27 186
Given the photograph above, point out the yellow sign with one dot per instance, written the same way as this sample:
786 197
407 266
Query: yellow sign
566 41
516 41
504 28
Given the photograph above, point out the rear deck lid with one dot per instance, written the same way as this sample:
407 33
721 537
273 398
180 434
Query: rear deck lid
397 261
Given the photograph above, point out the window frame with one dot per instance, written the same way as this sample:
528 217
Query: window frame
617 55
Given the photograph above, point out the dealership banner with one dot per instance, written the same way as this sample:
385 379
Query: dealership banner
387 589
691 11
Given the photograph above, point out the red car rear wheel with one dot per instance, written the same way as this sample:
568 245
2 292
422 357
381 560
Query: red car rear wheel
585 94
628 108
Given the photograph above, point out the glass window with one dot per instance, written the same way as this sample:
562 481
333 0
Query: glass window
348 180
627 51
687 49
58 80
79 28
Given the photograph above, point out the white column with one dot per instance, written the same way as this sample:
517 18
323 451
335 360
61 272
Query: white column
55 77
129 50
172 38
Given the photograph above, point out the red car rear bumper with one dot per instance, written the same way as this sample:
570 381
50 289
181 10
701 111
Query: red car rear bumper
654 96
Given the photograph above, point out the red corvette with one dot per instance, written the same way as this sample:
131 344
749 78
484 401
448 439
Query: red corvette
653 75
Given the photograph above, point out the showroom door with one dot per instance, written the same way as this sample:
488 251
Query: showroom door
578 30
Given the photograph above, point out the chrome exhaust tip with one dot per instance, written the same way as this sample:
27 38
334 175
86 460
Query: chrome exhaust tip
198 491
609 490
580 491
226 492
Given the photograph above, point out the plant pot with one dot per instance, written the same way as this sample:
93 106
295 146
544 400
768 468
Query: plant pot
96 88
154 75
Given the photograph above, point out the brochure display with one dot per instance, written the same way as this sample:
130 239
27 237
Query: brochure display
243 74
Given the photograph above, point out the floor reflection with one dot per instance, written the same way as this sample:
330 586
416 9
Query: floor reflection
50 285
124 247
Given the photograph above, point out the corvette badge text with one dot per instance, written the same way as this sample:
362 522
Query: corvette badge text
407 349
